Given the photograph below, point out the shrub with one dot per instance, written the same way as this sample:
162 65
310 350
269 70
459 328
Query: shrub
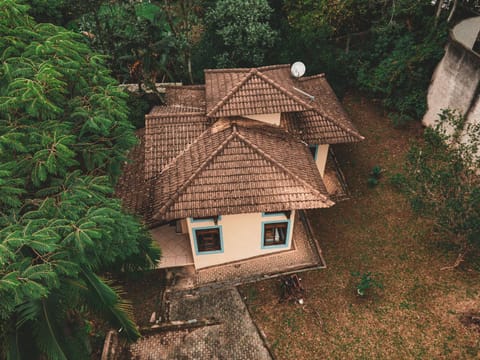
375 175
366 281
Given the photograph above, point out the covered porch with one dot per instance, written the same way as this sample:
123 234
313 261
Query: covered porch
334 179
176 249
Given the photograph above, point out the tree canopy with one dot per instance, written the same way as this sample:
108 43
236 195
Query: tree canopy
238 33
441 179
64 134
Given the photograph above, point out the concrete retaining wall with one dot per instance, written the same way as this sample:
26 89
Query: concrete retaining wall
455 82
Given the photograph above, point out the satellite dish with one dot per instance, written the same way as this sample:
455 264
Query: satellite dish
298 69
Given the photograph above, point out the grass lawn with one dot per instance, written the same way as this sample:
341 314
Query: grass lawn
418 313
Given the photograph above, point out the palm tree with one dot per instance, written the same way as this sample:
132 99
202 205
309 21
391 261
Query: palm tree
55 327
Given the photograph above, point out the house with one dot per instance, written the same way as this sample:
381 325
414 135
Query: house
230 162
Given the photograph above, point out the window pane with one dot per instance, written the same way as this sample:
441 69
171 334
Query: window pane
208 240
275 234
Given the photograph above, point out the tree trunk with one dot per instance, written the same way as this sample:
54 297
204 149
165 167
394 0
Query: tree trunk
439 10
454 7
189 62
347 44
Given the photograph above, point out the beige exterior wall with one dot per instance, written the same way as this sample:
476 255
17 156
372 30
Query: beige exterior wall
183 224
321 160
273 119
241 236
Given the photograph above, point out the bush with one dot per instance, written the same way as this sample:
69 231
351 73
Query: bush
366 281
375 175
140 104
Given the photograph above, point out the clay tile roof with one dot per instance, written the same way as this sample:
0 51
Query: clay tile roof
328 111
239 166
132 187
168 131
314 128
219 82
253 93
190 95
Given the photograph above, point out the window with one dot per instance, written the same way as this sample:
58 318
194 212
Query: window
313 150
275 233
208 240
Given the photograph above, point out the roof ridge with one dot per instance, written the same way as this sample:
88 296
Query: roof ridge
273 67
172 114
202 166
342 126
316 76
232 92
284 90
274 161
227 70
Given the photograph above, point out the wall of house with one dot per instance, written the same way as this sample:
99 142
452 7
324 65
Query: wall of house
273 119
321 158
242 237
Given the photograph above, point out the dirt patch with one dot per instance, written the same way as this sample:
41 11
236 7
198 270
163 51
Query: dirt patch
145 291
416 313
471 320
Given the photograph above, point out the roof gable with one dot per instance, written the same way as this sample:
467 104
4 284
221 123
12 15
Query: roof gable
257 94
234 174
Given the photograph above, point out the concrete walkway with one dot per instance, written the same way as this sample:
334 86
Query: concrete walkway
211 294
235 337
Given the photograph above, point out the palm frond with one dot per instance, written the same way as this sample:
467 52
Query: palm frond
11 348
48 340
104 299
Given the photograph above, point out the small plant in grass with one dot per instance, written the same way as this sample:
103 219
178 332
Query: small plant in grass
366 281
375 175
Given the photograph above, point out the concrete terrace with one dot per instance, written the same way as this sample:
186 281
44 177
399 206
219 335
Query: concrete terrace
176 249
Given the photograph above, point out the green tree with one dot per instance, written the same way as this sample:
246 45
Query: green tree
339 17
237 33
388 49
441 179
64 134
136 37
403 50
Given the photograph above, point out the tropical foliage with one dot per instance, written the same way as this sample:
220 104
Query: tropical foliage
145 41
441 179
386 48
237 33
64 133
